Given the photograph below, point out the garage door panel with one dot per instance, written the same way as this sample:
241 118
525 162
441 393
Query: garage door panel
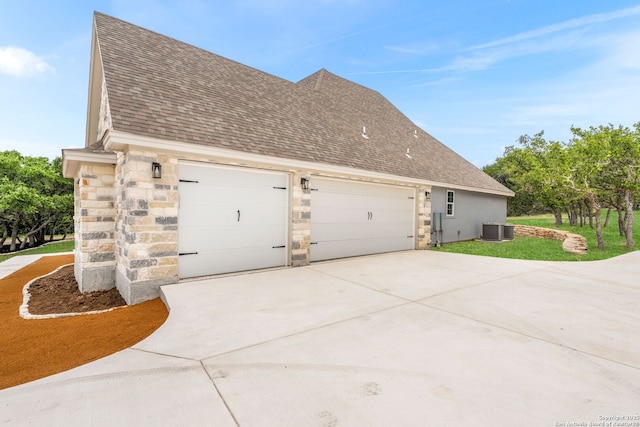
354 201
232 217
337 214
358 201
353 218
355 187
211 195
387 216
235 260
230 220
347 248
334 232
244 237
229 177
219 238
257 215
348 216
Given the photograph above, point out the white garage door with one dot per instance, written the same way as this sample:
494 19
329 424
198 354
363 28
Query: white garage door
230 219
352 218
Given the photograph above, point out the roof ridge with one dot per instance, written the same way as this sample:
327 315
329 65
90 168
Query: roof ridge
321 74
327 75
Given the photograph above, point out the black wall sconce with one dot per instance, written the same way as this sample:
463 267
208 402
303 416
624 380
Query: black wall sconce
305 183
427 195
156 170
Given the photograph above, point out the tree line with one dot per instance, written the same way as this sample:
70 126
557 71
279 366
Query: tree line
597 169
36 201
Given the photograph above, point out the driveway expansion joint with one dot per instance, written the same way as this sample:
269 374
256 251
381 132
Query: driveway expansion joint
315 328
215 386
533 337
157 353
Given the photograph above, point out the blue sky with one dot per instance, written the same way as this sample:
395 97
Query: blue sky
476 74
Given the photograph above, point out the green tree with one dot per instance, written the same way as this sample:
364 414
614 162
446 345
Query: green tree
597 169
590 172
533 171
611 158
34 199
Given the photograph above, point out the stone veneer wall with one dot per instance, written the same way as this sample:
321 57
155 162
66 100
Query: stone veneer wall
94 220
147 225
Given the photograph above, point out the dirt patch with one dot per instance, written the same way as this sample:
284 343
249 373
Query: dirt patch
59 293
33 349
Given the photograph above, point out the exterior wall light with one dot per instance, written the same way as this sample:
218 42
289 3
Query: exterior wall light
156 170
305 183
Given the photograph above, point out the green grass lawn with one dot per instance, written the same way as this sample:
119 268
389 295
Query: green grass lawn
551 250
64 246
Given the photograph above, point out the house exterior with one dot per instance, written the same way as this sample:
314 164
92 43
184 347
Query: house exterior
458 214
251 171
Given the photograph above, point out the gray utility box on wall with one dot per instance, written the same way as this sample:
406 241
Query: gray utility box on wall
497 232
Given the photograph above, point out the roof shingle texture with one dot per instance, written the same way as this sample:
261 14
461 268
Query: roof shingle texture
160 87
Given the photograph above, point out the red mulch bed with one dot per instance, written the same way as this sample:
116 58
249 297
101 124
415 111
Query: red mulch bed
33 349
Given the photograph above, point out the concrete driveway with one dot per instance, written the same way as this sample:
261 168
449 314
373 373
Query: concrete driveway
412 338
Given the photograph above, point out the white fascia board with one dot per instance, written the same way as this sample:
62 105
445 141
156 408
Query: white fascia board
73 158
118 141
94 90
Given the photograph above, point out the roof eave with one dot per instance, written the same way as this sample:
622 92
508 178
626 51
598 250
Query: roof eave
122 141
73 158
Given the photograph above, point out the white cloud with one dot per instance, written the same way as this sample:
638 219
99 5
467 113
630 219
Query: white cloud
537 41
486 58
20 62
479 60
424 48
562 26
600 92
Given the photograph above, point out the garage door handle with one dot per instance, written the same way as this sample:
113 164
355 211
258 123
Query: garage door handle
238 215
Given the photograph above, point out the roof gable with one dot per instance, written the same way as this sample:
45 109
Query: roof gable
162 88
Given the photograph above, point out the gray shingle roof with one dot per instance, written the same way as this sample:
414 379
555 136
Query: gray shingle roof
160 87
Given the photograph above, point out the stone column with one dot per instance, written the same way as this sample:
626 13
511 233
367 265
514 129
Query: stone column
424 218
94 221
147 228
300 221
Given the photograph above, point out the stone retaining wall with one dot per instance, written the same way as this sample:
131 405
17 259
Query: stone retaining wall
571 242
